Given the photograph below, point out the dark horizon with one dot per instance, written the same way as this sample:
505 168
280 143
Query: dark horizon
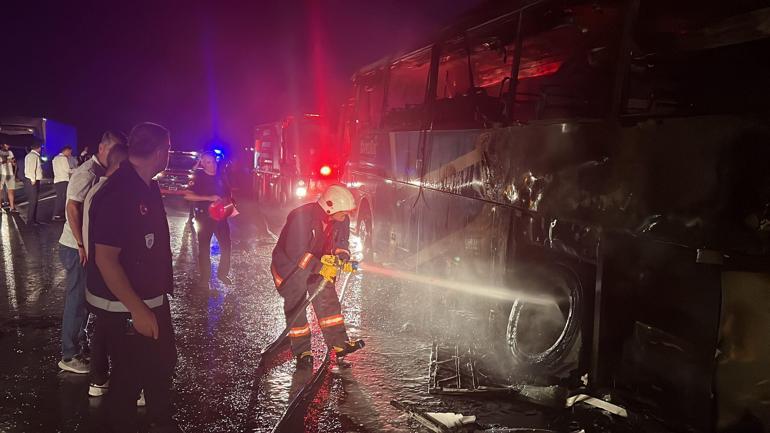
205 71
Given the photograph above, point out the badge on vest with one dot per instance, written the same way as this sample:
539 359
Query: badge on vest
149 240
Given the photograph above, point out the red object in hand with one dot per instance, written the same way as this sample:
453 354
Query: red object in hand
221 209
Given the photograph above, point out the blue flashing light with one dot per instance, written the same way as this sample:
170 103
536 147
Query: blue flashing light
218 151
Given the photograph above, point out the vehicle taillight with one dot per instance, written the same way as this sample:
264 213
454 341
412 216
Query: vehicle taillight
325 170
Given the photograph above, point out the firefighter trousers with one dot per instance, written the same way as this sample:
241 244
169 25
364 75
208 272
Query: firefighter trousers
328 311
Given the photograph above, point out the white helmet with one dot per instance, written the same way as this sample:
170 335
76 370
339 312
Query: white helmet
337 198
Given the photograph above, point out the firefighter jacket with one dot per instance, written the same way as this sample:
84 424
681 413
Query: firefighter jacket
304 239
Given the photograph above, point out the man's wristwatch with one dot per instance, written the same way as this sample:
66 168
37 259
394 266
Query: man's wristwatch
80 245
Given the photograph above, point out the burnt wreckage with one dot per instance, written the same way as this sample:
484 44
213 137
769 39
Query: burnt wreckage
622 173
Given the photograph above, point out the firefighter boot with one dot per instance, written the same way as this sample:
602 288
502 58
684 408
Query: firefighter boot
348 348
305 360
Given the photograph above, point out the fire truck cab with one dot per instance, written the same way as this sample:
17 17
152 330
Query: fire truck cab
294 159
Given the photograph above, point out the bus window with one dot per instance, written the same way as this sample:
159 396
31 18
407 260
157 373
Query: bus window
406 88
370 92
698 58
453 73
566 63
491 64
565 68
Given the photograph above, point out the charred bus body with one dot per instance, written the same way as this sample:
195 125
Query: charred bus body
294 158
621 173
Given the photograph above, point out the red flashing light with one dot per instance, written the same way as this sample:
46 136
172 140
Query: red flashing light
325 170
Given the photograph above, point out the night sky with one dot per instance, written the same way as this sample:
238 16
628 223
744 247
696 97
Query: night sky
203 69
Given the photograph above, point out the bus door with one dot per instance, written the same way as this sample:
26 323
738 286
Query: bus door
404 148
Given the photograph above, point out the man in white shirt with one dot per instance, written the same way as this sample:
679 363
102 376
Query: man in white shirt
8 175
33 174
62 169
72 253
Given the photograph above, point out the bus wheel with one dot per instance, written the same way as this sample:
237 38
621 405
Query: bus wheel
364 232
543 330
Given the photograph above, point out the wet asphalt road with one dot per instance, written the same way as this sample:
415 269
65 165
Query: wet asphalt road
221 331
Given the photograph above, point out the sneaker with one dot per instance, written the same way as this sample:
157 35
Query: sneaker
305 360
96 390
349 347
74 365
140 402
225 279
14 210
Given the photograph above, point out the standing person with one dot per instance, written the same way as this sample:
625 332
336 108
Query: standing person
99 362
33 174
8 175
130 278
312 231
208 187
72 253
62 169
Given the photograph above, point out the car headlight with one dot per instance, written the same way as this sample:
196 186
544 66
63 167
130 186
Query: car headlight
301 192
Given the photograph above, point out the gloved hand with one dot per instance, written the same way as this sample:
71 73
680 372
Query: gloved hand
350 267
343 256
329 268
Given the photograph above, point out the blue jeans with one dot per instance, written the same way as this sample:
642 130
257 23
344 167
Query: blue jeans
75 313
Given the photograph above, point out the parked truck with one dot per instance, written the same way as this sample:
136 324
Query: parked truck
610 156
21 132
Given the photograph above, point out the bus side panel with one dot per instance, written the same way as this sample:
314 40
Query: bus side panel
656 328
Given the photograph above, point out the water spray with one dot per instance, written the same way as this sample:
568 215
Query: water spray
498 293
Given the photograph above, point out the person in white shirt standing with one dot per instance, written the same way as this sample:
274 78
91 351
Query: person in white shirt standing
33 174
8 175
62 169
73 255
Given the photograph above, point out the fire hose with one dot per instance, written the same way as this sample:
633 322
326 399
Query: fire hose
332 266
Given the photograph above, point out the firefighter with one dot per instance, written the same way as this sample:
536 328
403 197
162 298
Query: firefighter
312 231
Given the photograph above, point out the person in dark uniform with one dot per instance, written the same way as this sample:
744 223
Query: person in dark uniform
129 280
312 231
210 186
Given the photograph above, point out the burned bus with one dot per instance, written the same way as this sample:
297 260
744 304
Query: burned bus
294 158
611 155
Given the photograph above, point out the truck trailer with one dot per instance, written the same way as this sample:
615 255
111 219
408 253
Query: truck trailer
21 132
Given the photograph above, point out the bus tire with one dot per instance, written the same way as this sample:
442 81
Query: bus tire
364 232
545 338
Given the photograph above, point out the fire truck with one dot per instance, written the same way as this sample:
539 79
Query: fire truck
610 156
294 159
